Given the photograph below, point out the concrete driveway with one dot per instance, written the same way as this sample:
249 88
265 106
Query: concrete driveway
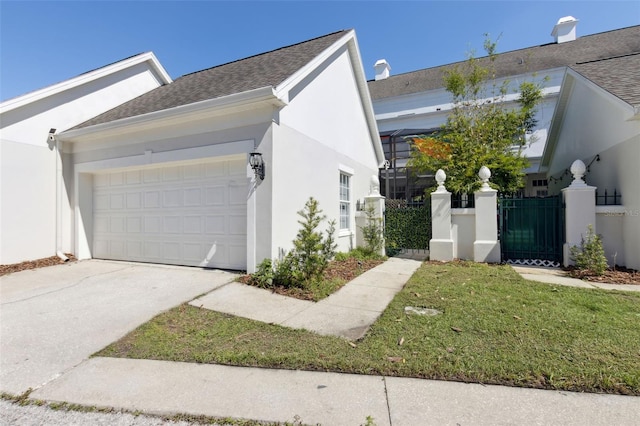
51 319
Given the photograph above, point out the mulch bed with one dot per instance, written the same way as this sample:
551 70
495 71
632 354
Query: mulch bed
33 264
344 269
618 275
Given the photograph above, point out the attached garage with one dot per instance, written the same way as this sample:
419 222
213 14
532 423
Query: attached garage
192 214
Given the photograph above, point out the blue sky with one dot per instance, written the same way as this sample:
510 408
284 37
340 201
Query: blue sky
43 43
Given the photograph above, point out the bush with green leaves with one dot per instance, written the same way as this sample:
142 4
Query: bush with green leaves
264 275
589 256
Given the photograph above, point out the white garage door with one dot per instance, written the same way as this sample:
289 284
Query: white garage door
189 214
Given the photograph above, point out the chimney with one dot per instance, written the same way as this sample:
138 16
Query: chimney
382 68
565 29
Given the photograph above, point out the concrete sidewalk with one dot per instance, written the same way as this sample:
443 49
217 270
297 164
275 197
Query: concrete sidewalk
347 313
163 387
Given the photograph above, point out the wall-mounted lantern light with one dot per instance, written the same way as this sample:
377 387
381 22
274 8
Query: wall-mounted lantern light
257 164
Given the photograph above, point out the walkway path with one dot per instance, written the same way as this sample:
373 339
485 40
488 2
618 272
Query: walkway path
348 313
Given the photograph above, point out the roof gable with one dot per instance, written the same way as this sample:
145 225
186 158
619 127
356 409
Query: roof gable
88 77
588 48
619 76
263 70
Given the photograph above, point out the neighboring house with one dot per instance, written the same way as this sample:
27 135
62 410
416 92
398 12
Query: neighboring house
416 103
597 120
165 177
35 220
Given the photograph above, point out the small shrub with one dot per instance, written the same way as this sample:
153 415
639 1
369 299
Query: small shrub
589 256
311 250
287 271
372 232
263 277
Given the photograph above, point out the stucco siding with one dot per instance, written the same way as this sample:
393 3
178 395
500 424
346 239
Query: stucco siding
593 122
304 167
329 110
618 170
27 176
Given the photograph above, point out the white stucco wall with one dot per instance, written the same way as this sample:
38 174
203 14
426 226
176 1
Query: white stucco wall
463 230
321 132
593 122
28 163
610 226
597 123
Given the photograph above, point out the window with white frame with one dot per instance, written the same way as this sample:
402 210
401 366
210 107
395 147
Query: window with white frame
345 201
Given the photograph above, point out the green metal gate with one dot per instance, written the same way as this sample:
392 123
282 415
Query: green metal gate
532 230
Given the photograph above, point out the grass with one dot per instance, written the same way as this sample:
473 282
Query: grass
495 328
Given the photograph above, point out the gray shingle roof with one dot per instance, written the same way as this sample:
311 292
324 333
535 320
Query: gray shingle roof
266 69
588 48
619 76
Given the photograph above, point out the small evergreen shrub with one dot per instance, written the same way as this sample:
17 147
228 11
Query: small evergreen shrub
309 258
372 233
311 250
589 256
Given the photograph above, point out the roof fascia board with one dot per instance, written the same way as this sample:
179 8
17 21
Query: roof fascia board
246 99
54 89
365 98
558 117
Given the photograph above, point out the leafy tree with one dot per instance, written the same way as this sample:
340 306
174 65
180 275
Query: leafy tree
481 130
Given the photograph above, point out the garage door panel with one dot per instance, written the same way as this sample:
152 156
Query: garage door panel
215 196
193 197
191 214
238 224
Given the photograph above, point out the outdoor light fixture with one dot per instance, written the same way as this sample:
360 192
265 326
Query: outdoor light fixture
257 164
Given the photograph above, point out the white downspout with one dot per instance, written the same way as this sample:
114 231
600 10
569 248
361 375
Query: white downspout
59 181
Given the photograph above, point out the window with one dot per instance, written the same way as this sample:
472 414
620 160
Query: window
345 201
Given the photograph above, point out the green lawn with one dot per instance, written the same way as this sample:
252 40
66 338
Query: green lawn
495 328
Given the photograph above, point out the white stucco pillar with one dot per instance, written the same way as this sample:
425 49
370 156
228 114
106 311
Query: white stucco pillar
377 201
486 247
580 210
441 243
